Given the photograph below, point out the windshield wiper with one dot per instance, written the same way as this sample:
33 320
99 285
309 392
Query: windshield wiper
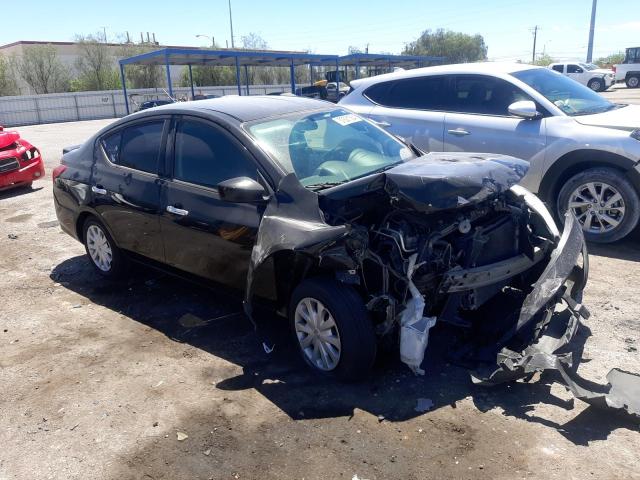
320 186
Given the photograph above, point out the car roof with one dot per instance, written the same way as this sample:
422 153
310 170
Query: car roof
500 68
249 108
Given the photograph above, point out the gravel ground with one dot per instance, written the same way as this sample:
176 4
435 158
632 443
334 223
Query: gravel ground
157 378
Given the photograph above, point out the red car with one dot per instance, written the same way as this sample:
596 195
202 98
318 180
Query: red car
20 162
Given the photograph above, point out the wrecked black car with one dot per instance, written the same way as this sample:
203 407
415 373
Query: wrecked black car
353 235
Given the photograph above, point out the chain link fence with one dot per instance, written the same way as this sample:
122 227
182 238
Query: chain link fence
74 106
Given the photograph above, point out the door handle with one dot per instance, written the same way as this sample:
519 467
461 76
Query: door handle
460 132
98 189
177 211
381 123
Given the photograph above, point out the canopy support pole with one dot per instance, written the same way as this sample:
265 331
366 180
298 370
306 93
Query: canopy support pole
238 76
169 87
246 78
124 88
293 77
193 93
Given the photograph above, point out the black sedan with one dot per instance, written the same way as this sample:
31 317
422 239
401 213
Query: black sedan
354 234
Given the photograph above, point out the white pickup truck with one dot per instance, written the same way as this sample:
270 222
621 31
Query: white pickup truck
629 70
596 78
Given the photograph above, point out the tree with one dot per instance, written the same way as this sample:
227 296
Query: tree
142 76
8 84
41 69
457 47
609 60
256 75
95 65
544 60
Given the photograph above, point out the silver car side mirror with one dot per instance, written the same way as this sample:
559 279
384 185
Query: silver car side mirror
524 109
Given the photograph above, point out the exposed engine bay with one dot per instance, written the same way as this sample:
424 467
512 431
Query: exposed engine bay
473 250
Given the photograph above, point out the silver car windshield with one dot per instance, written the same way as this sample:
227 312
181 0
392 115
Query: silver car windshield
327 148
567 94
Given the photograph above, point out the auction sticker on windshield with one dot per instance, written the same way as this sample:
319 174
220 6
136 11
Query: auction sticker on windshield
347 119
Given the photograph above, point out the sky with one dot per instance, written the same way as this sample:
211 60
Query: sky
332 26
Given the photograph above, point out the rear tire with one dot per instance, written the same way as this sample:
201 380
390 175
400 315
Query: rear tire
107 259
342 343
633 81
604 201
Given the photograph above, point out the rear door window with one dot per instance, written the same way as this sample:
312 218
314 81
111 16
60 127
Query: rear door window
420 93
137 146
573 69
206 156
481 94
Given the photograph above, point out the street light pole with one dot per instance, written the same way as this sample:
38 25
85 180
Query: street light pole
591 29
231 25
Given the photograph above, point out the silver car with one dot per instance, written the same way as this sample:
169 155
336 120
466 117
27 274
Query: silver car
584 151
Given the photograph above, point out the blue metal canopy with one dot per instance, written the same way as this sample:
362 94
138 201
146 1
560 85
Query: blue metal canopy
261 58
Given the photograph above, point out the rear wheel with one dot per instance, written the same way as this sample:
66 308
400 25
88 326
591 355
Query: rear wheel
604 201
332 329
596 84
105 257
633 81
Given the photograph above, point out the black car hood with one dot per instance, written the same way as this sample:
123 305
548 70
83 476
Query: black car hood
439 181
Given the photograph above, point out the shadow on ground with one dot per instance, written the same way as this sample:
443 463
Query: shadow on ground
18 191
626 249
211 320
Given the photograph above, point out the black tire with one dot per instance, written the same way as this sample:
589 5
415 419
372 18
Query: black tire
596 84
633 81
615 179
118 262
354 326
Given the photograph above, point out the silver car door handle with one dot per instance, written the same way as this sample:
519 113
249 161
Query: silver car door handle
459 132
177 211
381 123
98 190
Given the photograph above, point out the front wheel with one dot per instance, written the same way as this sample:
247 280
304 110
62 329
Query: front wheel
596 85
332 329
604 201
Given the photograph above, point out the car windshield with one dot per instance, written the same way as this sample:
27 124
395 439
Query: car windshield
329 147
567 94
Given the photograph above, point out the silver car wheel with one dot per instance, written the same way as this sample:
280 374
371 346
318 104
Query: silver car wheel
598 206
99 248
595 85
317 334
633 82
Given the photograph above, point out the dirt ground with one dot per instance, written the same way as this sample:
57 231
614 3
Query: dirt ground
155 378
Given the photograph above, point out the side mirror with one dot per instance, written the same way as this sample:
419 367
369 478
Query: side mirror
241 190
524 109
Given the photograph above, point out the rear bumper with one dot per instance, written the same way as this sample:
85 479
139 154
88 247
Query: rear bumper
32 171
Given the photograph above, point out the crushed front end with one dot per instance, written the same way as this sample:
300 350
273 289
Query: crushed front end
450 239
20 162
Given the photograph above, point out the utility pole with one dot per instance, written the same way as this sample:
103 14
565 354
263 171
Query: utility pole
535 38
231 25
591 29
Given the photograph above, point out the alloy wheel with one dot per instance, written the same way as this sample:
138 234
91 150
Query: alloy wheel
595 85
598 206
317 334
99 248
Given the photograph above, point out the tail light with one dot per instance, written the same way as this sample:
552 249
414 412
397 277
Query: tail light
59 170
